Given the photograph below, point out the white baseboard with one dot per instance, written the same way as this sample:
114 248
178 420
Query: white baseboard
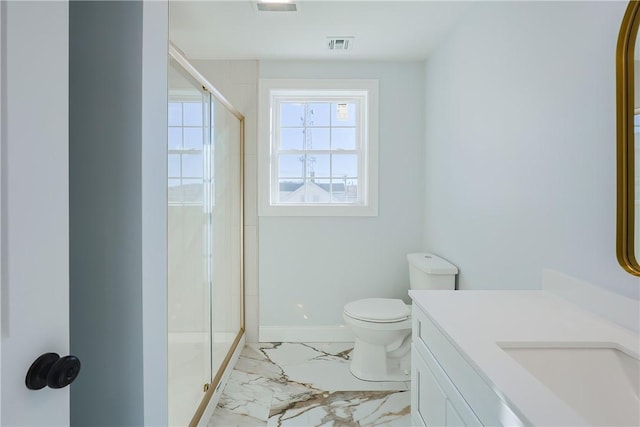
213 402
338 333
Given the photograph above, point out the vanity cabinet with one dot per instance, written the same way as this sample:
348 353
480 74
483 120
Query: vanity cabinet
446 390
431 405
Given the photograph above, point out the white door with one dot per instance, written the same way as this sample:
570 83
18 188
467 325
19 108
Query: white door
34 229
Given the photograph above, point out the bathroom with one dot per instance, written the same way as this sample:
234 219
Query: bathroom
496 152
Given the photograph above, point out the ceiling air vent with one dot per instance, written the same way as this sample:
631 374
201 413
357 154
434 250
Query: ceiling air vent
340 43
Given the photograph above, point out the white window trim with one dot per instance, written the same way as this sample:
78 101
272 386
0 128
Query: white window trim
369 207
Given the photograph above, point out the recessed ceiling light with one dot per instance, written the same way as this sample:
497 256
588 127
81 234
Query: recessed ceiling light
277 6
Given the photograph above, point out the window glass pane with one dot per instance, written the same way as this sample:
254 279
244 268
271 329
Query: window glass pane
291 165
193 113
174 191
318 165
175 138
193 138
192 191
291 138
351 191
343 138
291 191
338 190
291 114
318 114
317 191
344 165
175 114
174 166
317 138
343 114
192 165
321 192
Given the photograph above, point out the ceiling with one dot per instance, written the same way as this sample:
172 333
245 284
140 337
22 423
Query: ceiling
383 30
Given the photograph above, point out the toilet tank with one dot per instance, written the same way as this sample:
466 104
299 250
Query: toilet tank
428 271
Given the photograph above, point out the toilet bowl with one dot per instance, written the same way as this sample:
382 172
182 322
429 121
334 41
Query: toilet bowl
382 326
382 330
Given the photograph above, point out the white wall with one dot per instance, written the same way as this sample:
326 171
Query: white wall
521 144
155 34
309 267
117 201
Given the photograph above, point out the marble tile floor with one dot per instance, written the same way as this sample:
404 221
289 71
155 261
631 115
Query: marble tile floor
307 384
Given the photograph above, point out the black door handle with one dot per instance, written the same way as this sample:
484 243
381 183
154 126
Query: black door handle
51 370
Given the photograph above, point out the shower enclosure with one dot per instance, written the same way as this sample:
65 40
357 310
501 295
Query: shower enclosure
205 281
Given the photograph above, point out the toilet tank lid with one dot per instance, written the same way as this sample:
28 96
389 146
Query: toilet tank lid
431 264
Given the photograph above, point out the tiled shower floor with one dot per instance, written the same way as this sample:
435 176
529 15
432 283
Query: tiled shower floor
306 384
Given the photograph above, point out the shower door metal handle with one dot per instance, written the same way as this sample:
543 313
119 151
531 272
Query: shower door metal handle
52 370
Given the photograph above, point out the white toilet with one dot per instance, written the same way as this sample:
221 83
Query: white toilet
382 326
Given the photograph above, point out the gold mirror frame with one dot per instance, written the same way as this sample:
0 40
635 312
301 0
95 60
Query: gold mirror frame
625 233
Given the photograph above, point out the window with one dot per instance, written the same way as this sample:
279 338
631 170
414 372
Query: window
187 133
318 147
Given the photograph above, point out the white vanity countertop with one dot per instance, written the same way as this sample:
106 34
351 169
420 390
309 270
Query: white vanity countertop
476 321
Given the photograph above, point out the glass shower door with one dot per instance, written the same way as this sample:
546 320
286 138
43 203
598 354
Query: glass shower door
227 232
205 223
189 214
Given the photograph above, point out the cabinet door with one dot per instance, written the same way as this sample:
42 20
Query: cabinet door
428 401
453 419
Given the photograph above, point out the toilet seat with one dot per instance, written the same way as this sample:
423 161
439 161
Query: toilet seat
378 310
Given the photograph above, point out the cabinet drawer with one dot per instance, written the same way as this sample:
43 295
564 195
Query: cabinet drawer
488 408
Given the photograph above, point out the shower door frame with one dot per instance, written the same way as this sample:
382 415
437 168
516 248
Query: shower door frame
179 57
